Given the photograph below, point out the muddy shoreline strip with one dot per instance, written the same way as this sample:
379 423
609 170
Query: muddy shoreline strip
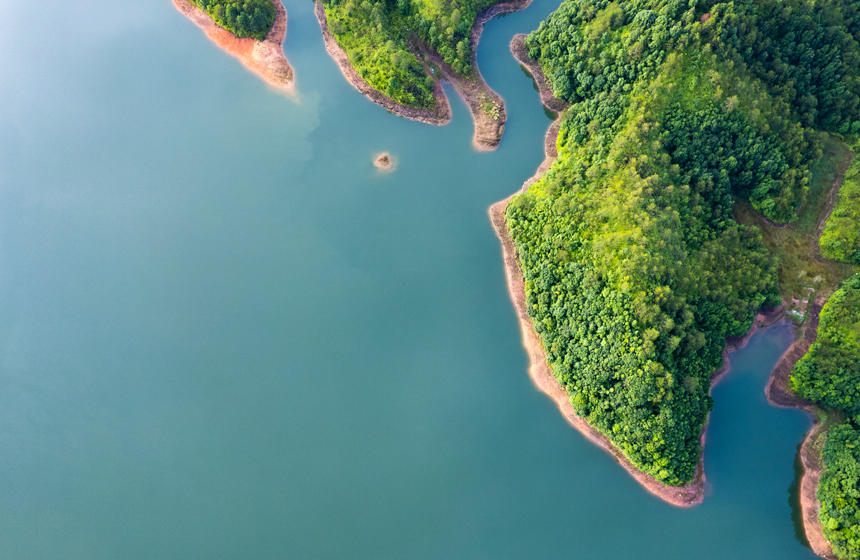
547 97
486 106
264 58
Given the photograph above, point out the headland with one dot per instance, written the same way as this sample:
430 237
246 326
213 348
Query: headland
485 105
264 58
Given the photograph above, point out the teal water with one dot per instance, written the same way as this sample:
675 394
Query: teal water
223 335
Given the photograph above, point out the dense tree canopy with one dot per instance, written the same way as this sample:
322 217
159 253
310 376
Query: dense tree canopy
376 34
829 375
806 52
243 18
635 271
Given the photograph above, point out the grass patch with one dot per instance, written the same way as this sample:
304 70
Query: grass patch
801 272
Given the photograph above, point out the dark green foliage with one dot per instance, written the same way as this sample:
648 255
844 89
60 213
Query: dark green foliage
377 36
829 373
839 491
723 152
243 18
635 269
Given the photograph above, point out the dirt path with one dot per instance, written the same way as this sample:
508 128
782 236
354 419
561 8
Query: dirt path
264 58
486 106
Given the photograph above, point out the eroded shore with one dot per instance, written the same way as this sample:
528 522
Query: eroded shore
486 106
521 53
264 58
779 393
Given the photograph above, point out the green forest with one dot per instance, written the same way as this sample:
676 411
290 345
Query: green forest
635 270
379 37
829 375
247 18
840 240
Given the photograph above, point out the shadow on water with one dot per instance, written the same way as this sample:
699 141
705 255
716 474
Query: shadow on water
794 500
551 115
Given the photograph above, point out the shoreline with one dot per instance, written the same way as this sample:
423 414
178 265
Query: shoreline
264 58
548 99
779 394
521 54
474 91
686 495
681 496
439 115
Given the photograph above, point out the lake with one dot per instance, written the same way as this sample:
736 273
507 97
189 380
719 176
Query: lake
224 334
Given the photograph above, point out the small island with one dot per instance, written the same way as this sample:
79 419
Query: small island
255 35
384 162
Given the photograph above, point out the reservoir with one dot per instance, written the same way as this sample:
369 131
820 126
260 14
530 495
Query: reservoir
225 334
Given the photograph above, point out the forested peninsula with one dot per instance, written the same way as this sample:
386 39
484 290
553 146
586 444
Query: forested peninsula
251 30
396 52
640 250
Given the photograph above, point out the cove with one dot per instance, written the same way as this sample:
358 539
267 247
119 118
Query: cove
225 334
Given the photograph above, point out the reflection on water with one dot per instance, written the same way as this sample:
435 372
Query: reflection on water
794 500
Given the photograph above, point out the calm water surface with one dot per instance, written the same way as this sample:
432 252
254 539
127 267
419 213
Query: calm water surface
224 335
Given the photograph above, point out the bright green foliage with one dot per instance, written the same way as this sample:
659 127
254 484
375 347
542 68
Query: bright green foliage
839 491
829 373
635 269
378 37
243 18
840 240
805 52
